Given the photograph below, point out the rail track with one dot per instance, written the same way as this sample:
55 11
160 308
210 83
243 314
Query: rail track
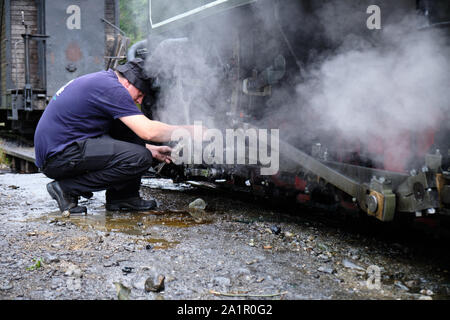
19 152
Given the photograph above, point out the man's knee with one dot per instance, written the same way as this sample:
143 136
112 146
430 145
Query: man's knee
147 158
143 158
132 156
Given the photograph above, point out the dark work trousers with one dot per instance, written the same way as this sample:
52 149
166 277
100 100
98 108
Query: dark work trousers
115 162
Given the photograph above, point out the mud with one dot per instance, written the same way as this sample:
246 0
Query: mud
241 248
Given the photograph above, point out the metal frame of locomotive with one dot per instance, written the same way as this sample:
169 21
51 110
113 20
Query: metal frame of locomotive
45 44
312 172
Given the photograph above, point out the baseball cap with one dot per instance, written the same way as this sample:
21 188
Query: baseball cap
134 72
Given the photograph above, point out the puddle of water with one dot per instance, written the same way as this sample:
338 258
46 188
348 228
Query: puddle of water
131 223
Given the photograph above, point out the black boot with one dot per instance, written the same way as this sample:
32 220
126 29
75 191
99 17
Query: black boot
133 203
78 210
64 200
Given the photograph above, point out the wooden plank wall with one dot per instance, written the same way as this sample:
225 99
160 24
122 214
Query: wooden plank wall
17 43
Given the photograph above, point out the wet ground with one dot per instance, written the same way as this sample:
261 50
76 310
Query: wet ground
235 249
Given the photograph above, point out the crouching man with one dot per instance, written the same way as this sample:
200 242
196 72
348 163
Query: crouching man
79 142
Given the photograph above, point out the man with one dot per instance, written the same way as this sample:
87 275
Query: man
77 142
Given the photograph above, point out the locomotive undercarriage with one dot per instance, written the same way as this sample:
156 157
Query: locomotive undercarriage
315 182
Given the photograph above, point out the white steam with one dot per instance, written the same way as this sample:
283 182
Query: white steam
188 81
400 83
368 87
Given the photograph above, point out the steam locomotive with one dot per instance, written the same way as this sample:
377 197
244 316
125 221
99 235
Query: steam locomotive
362 116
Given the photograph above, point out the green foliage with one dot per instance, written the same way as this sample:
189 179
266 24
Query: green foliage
4 160
37 264
134 19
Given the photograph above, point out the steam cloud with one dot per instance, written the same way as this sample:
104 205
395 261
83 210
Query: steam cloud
365 89
400 83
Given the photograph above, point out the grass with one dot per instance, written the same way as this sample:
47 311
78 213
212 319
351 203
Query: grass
4 160
37 264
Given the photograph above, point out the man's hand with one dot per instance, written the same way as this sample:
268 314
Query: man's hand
160 153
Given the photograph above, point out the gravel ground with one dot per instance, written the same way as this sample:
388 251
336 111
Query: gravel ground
236 249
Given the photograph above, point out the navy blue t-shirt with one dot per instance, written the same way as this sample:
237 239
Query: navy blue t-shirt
84 108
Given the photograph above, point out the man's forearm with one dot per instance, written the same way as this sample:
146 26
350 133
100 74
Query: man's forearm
151 130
